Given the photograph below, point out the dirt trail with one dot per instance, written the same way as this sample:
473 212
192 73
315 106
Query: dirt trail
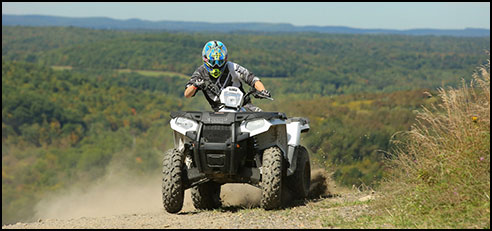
112 204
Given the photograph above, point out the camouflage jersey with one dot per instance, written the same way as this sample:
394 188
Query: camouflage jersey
228 78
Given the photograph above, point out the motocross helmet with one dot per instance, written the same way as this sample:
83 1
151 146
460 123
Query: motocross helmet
214 56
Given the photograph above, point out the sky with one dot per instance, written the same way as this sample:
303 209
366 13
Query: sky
363 15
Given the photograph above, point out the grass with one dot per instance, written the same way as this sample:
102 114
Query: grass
439 176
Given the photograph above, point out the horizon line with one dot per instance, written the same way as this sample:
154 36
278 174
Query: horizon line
273 23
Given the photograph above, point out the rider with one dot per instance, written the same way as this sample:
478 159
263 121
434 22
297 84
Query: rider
216 73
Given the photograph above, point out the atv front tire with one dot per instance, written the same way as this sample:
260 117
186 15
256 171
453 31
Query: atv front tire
271 180
206 196
172 184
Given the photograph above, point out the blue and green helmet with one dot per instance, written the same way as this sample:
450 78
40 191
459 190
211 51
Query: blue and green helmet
214 56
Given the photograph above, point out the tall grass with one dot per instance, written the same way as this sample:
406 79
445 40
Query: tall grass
439 176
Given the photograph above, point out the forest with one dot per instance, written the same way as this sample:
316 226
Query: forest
75 101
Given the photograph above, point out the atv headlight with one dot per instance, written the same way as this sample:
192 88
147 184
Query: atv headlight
232 100
255 127
255 124
183 125
231 97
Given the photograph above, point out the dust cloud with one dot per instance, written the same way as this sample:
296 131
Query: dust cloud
113 194
247 196
241 195
119 193
322 185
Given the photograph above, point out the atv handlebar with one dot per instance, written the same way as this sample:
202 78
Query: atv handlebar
256 94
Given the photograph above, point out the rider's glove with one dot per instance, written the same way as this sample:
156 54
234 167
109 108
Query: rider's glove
199 84
264 94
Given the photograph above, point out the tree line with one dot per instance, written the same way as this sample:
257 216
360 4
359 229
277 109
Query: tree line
317 63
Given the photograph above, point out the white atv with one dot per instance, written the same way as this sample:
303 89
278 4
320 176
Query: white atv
234 146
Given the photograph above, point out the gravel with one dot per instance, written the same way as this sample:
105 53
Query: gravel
116 207
304 215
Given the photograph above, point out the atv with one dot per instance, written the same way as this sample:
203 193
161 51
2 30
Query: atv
234 146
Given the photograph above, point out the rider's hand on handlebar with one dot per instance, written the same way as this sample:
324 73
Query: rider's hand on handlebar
199 84
264 94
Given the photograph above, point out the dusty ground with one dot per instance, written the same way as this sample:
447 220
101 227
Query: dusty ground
96 208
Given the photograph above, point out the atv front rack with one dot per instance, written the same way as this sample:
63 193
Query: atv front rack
227 117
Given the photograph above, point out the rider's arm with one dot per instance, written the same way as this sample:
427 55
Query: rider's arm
248 77
259 86
190 91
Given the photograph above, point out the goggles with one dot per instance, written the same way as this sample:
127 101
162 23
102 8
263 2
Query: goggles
216 63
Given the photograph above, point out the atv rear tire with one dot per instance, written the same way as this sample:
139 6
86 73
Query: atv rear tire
172 184
206 196
271 180
300 181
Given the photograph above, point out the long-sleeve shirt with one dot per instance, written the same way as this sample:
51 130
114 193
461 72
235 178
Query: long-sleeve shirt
233 75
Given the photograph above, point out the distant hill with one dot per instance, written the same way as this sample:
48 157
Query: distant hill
137 24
